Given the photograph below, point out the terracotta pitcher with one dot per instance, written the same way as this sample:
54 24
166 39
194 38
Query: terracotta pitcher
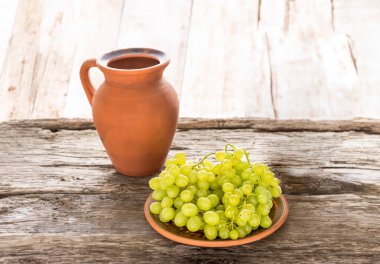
135 110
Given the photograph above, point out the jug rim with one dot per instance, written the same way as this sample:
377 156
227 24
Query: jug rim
107 58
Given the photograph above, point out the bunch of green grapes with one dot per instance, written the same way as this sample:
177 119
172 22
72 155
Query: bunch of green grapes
227 198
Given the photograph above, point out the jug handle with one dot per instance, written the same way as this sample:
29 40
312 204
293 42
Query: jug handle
85 78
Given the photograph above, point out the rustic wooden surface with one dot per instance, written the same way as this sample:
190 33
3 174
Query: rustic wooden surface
278 59
61 201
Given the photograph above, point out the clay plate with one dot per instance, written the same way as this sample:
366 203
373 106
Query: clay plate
278 214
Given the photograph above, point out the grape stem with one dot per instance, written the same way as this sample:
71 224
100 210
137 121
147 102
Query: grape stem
247 158
200 162
229 145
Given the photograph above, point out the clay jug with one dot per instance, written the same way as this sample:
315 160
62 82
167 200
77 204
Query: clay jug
135 110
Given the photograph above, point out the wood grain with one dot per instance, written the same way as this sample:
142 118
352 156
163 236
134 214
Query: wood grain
61 201
163 25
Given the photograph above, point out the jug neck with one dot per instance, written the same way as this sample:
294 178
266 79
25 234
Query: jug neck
133 66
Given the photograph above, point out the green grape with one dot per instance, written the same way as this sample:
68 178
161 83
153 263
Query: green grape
174 170
231 211
245 214
252 199
168 179
227 164
234 200
268 194
193 177
211 218
222 215
250 207
262 199
234 235
263 183
155 207
167 213
267 176
219 193
172 191
202 224
204 203
189 209
263 209
224 233
169 162
158 195
180 219
208 163
154 183
210 176
275 182
194 223
228 187
236 180
210 232
178 202
246 174
163 185
265 221
214 185
258 169
217 169
180 158
202 175
242 165
241 231
181 180
255 220
167 202
247 229
185 170
238 154
239 193
260 190
229 173
220 155
202 193
269 204
239 221
186 196
276 191
220 207
214 199
192 189
203 185
246 189
221 179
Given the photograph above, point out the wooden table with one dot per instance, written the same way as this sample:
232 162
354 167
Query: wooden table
61 200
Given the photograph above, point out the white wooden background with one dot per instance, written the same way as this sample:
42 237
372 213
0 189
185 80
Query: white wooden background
285 59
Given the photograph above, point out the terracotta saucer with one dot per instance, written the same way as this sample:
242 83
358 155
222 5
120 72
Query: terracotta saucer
278 214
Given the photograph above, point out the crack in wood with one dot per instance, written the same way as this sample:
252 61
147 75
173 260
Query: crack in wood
258 13
286 15
275 112
352 55
332 13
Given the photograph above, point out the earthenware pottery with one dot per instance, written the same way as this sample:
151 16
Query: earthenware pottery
278 214
135 110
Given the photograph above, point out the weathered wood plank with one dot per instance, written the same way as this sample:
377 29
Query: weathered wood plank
359 23
162 24
97 31
75 161
7 18
227 70
112 228
359 125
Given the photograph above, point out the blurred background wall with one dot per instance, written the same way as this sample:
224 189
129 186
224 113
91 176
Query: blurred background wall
283 59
